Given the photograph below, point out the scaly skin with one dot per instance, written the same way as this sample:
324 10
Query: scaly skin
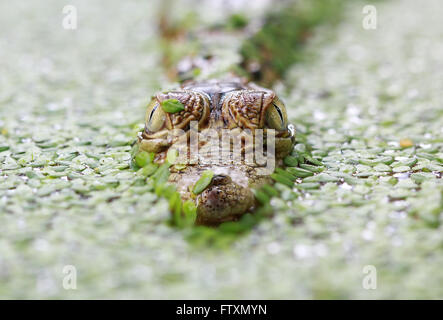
218 105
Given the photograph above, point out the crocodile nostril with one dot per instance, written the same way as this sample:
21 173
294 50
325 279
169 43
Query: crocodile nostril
221 179
224 202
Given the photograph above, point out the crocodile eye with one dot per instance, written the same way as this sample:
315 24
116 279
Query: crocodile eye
155 117
276 117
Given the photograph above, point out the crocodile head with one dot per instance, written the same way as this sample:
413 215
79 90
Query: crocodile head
219 129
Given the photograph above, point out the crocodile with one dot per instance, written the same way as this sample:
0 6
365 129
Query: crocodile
230 105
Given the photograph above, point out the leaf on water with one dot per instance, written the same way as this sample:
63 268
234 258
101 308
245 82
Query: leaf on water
406 143
300 173
143 158
285 174
148 170
175 207
261 196
290 161
161 175
190 212
311 167
270 191
313 160
282 179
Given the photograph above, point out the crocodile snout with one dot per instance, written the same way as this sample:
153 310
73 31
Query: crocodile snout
224 200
